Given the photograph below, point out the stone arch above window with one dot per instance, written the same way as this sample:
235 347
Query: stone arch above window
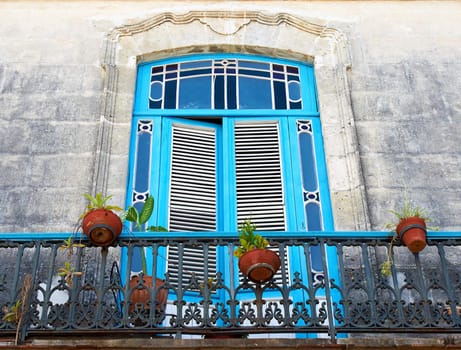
280 36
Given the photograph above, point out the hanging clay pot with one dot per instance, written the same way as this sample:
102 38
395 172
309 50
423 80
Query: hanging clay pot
102 226
412 232
259 265
142 295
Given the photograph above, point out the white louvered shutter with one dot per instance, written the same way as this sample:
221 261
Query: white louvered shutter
192 203
259 175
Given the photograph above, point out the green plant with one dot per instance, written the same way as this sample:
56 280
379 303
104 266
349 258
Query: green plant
210 284
407 210
386 266
139 218
12 313
69 245
98 202
68 272
249 240
15 313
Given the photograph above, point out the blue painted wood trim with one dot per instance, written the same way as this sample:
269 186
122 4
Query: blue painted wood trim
219 56
32 236
226 112
322 178
365 235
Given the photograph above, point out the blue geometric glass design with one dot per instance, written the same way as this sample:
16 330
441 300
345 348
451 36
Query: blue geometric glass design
313 217
306 149
144 134
225 84
294 90
156 91
143 155
136 260
254 93
316 258
311 194
195 93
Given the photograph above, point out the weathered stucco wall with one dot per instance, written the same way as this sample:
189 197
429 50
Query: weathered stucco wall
394 72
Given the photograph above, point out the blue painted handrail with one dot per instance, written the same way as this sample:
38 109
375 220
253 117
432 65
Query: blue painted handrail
366 235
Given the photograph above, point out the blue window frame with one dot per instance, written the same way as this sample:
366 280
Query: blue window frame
229 134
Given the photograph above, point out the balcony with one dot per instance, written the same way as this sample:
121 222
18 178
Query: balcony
330 286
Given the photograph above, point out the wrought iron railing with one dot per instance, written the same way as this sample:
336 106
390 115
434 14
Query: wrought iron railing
45 288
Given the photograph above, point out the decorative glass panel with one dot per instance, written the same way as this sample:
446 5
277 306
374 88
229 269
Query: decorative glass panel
144 132
142 173
311 193
225 84
254 93
195 93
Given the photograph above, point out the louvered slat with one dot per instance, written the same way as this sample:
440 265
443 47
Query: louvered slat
193 178
259 177
192 197
193 263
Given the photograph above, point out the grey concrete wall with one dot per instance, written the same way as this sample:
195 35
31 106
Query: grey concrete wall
403 80
405 94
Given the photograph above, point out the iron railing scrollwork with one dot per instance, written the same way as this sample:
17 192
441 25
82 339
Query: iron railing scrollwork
422 293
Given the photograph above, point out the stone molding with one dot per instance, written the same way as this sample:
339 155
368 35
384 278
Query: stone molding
281 35
216 21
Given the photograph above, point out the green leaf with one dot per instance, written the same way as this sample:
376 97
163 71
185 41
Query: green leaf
113 207
101 200
98 201
157 229
146 211
90 199
386 268
132 215
239 252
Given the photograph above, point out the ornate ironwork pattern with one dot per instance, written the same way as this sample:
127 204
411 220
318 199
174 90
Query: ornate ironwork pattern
423 292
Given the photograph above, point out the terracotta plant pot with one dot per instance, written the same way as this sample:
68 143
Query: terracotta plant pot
102 227
412 232
142 295
259 265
